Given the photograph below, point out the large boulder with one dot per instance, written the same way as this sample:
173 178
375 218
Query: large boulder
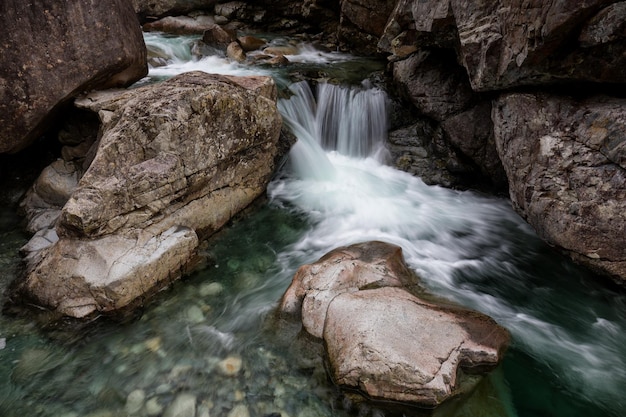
513 43
174 162
383 335
159 8
566 165
52 51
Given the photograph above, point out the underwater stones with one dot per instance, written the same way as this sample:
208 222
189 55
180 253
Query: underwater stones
65 57
229 366
211 289
382 336
239 410
135 401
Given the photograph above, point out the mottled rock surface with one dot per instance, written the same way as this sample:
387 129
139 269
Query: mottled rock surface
174 162
382 335
566 164
159 8
52 51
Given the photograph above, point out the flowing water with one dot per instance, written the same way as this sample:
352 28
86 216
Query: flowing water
568 353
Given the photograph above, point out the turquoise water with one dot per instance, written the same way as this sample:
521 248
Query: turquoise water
568 354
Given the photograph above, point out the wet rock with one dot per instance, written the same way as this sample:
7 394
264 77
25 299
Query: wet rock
235 52
434 83
565 161
132 225
181 25
65 57
251 43
383 336
153 407
211 289
218 37
472 133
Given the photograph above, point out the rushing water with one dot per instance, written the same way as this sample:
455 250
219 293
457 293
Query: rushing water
568 355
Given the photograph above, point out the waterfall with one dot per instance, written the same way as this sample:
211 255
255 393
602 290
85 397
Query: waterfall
466 247
349 120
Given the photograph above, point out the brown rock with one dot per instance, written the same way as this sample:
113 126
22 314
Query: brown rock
160 8
235 52
73 46
251 43
566 165
395 347
218 37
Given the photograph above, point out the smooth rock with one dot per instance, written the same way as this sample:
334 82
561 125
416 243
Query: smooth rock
239 410
229 366
184 405
135 401
383 335
65 56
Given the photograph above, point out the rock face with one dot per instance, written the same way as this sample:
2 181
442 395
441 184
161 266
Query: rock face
381 337
174 162
72 46
160 8
452 59
566 164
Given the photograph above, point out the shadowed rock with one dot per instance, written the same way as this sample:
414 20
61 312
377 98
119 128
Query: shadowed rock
53 51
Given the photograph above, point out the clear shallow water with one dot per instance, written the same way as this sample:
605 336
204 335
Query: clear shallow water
569 334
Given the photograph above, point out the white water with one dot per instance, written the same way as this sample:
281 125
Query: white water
466 247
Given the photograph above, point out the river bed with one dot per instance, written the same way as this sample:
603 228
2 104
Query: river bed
206 339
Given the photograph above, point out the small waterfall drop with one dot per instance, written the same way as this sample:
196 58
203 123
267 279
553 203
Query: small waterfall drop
349 120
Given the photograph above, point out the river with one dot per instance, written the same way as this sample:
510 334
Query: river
568 353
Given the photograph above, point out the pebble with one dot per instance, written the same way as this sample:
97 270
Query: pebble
184 405
153 344
194 314
153 407
229 366
134 401
239 410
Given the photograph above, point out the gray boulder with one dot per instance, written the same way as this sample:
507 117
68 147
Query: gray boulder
174 162
383 335
160 8
566 165
52 51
